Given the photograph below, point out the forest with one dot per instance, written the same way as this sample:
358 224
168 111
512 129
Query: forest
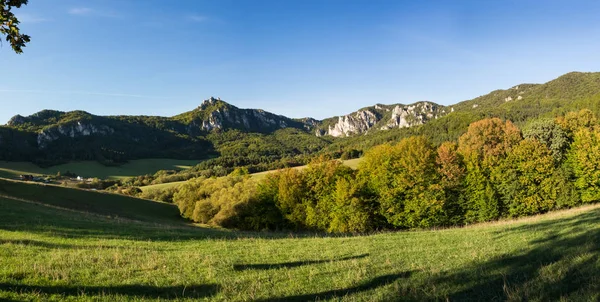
495 170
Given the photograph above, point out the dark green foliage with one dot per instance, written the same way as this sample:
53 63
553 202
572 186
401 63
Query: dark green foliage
549 133
57 137
100 184
17 144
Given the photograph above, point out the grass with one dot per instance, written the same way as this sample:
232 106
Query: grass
80 254
94 169
352 163
100 203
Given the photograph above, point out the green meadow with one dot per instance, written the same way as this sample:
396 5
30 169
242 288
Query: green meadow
93 169
61 244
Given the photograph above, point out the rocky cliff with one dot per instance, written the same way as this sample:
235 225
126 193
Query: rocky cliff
72 130
215 114
381 117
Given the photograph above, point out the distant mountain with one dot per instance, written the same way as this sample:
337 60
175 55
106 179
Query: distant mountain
215 127
51 136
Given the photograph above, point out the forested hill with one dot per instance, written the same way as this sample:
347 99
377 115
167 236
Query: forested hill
520 104
217 128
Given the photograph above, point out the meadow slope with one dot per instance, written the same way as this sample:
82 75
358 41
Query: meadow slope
61 250
95 169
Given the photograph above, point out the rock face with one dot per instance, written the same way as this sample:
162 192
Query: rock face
214 114
77 129
411 115
359 122
383 117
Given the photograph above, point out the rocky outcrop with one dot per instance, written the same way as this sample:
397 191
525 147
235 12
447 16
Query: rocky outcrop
77 129
215 114
412 115
383 117
359 122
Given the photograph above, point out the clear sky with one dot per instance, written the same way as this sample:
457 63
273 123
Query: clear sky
296 58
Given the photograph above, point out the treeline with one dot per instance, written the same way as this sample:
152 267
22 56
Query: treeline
254 152
492 171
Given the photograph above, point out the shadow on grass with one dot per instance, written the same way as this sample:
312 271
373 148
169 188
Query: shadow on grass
268 266
16 215
563 264
369 285
137 291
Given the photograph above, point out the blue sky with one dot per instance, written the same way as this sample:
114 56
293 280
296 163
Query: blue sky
296 58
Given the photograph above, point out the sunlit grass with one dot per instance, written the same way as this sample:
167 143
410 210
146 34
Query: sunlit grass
47 253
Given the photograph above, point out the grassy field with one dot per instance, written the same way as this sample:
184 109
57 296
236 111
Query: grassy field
352 163
94 169
118 249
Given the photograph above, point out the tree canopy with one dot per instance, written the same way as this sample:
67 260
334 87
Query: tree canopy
9 24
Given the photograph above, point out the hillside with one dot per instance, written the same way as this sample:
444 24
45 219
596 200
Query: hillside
215 128
219 129
69 252
520 104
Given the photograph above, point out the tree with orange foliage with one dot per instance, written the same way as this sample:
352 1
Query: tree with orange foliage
484 146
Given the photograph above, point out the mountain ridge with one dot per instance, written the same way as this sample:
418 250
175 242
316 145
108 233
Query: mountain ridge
77 135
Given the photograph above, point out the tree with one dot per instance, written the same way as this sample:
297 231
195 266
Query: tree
9 24
451 169
405 181
527 179
574 121
485 145
585 159
551 134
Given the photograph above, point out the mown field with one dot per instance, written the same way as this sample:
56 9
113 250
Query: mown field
90 169
352 163
62 244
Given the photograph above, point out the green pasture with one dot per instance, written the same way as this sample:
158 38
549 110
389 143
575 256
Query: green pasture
60 244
